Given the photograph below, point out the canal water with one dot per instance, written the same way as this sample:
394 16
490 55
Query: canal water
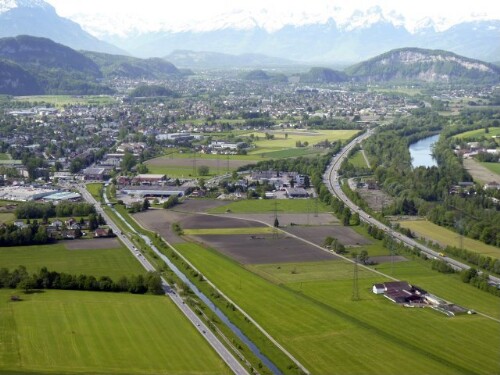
421 152
255 350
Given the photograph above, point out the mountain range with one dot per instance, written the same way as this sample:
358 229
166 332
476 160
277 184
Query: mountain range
39 18
32 65
326 42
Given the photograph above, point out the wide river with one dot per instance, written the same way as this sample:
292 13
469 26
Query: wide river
421 152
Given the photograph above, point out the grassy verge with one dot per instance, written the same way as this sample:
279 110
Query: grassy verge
60 332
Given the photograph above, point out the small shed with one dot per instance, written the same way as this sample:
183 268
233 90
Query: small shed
378 288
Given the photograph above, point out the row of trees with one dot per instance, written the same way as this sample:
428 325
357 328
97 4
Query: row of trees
34 210
44 279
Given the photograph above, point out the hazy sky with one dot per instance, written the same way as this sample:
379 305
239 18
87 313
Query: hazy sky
124 16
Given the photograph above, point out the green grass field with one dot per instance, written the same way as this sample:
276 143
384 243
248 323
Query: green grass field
447 237
67 332
10 162
227 231
114 263
95 190
493 167
271 153
4 156
310 312
269 205
200 157
6 217
182 172
282 141
358 160
479 133
62 100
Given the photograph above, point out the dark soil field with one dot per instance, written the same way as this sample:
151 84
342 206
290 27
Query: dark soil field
246 249
160 221
199 205
199 221
264 249
286 219
317 234
96 243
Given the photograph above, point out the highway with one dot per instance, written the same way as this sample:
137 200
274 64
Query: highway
331 180
213 340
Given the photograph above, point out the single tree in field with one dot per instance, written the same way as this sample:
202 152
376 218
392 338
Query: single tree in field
203 170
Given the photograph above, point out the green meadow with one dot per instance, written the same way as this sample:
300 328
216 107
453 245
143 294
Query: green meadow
479 133
68 332
358 160
288 139
62 100
308 309
95 189
182 172
4 156
447 237
114 262
493 167
6 217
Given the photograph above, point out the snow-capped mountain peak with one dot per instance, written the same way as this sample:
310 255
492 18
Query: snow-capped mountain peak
362 19
6 5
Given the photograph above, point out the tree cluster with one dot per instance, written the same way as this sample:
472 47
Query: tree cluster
32 234
45 279
479 280
484 262
335 245
34 210
172 201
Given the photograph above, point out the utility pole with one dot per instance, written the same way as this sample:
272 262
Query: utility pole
355 286
275 228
